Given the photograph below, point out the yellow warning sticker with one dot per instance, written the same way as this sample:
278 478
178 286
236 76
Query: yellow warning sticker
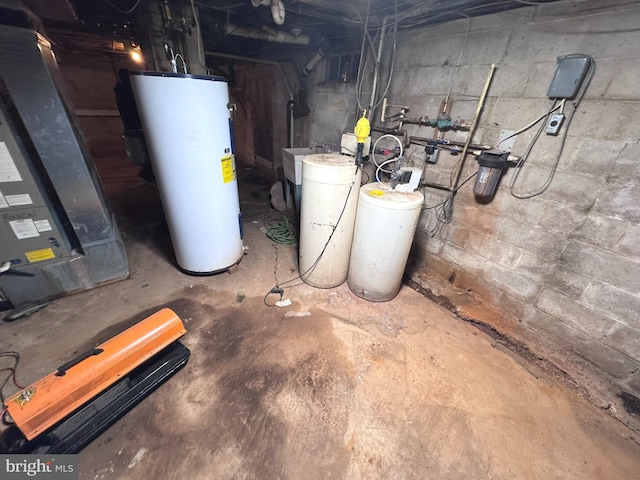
376 193
40 255
25 396
228 170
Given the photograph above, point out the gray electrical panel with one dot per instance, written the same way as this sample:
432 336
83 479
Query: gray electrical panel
570 73
56 229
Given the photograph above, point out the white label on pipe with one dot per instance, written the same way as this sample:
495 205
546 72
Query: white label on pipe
8 170
20 199
24 228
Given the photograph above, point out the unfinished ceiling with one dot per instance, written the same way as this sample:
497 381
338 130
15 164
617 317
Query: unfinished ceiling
273 29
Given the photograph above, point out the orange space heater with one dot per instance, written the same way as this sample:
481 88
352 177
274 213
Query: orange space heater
64 411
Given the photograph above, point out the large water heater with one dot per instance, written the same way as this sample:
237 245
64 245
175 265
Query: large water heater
188 129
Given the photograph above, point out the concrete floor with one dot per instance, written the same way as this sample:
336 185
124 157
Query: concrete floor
355 390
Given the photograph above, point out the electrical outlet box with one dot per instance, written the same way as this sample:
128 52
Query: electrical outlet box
570 73
555 122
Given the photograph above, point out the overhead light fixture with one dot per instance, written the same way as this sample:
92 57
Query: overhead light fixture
117 46
136 53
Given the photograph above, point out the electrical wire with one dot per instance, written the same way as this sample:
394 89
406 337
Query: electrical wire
556 161
528 2
226 7
365 33
12 373
532 124
126 12
393 62
376 68
464 44
444 210
277 289
365 24
196 20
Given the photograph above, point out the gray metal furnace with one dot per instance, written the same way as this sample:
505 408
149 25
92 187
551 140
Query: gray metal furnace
57 234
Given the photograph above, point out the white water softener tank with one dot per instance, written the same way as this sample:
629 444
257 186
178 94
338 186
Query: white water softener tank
385 226
330 184
187 126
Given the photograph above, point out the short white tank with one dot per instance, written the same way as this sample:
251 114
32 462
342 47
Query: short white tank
384 229
330 184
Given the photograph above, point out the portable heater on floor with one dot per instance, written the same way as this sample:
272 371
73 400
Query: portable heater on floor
67 409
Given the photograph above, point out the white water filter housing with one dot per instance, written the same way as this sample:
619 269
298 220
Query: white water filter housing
187 125
330 185
385 225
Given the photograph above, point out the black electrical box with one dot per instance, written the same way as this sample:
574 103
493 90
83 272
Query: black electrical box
570 73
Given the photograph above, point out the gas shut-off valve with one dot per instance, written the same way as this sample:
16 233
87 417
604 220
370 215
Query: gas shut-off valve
493 163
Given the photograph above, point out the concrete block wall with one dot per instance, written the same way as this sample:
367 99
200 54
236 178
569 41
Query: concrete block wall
333 111
562 267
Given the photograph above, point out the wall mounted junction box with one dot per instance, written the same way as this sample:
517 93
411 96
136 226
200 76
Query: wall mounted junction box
570 73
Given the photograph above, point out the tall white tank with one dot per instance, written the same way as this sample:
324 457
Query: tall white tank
187 126
384 229
330 185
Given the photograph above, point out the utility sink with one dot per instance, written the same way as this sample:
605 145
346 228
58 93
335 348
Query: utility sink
292 162
292 166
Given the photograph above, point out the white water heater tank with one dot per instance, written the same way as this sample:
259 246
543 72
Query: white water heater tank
384 229
330 184
187 126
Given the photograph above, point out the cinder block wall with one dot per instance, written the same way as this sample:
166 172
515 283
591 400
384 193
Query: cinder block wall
560 271
333 111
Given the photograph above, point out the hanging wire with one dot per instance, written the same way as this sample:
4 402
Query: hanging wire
376 69
126 12
554 107
444 209
360 82
464 44
12 375
365 33
393 61
199 41
556 161
277 289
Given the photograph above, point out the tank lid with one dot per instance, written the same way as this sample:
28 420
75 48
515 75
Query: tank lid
329 160
382 195
146 73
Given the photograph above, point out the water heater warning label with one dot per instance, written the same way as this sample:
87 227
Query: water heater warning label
228 170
